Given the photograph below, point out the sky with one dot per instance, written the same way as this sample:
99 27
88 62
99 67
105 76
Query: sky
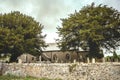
49 12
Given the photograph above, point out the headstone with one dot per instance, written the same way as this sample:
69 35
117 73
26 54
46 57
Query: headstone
103 60
40 59
93 60
7 59
88 60
56 60
19 61
74 61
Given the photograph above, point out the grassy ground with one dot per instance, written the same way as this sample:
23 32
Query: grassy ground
10 77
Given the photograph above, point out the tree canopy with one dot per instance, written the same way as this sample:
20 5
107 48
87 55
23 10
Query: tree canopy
19 34
92 28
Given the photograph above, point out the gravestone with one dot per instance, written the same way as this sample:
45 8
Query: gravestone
19 61
88 60
74 61
103 60
40 59
93 60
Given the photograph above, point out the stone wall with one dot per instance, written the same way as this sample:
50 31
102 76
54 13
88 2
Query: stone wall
66 71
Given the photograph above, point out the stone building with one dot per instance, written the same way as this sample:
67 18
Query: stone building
52 53
26 58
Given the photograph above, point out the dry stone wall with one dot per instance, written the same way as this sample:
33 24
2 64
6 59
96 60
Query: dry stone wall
66 71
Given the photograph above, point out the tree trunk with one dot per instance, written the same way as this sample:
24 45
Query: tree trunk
94 50
14 57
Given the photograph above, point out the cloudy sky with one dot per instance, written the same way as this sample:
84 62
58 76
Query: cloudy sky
49 12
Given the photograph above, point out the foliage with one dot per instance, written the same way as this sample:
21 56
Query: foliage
114 58
92 28
19 34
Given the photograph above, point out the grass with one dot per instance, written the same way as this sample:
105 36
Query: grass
11 77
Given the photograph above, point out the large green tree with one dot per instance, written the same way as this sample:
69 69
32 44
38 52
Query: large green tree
19 34
92 28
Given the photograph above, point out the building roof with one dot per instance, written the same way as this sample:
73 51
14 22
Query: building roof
54 47
24 55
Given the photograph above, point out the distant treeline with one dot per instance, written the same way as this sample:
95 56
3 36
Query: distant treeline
114 58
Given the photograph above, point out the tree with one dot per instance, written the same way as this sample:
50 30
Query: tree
19 34
92 28
115 57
